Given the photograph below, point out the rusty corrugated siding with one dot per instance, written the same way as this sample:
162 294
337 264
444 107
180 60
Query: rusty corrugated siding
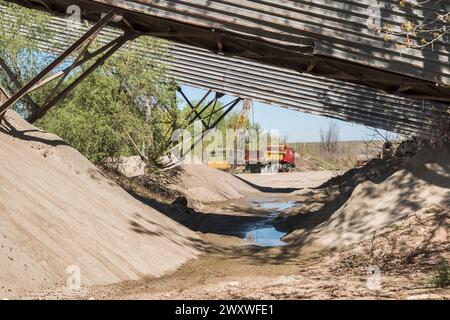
277 86
324 37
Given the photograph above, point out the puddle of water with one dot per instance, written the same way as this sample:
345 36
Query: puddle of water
265 237
264 233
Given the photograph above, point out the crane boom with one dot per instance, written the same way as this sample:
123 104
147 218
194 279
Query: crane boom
243 115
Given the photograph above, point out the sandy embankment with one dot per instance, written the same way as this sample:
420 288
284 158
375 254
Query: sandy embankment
425 182
59 210
202 185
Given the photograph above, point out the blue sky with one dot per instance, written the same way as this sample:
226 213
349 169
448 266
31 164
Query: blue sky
297 126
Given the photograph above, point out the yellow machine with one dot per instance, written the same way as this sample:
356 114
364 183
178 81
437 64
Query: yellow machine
218 160
243 116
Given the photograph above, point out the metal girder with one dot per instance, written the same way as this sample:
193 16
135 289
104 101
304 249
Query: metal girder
232 105
325 38
214 100
199 115
57 98
86 57
263 83
229 107
212 112
39 79
15 80
194 108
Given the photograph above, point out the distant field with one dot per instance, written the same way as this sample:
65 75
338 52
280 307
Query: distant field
353 147
313 158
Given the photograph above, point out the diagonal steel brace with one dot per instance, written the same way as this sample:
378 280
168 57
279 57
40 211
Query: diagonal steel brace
60 59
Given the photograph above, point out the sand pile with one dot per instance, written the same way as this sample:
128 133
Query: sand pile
201 184
424 182
58 210
420 241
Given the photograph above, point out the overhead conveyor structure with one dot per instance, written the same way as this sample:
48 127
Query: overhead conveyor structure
323 37
79 47
313 56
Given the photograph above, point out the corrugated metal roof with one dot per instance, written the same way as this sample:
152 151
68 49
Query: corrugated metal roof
306 93
323 37
277 86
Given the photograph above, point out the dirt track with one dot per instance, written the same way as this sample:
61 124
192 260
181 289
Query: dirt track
282 182
231 268
57 210
254 211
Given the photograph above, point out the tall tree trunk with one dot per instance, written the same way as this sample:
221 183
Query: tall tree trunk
149 117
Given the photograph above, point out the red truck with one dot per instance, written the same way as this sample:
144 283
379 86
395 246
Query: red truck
276 159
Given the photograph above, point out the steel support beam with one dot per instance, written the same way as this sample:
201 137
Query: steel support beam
52 102
206 120
212 112
231 106
86 57
194 108
18 84
216 98
60 59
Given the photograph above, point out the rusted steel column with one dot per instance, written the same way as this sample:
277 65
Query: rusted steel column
15 80
87 57
71 86
74 47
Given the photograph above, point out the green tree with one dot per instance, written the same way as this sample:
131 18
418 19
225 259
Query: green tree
123 108
119 110
229 122
421 32
21 52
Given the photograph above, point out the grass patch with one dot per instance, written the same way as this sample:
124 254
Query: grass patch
441 277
